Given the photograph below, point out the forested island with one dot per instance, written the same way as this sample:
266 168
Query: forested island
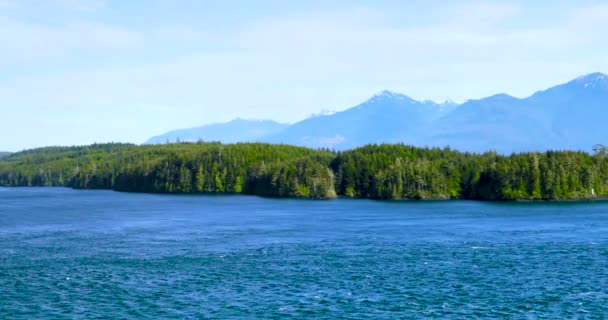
388 171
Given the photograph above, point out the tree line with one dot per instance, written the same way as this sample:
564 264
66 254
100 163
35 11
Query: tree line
388 171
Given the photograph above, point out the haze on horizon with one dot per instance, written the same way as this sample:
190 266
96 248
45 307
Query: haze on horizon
78 72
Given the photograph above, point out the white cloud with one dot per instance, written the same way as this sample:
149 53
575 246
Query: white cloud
49 5
480 14
180 33
22 41
355 50
287 68
8 4
78 5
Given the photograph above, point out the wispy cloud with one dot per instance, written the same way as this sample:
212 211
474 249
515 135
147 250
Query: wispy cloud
80 5
71 5
23 40
289 66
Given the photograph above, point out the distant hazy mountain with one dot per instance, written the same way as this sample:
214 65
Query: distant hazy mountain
500 122
386 117
238 130
4 154
576 112
568 116
571 116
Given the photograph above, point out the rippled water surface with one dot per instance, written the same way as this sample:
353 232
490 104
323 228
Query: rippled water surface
101 254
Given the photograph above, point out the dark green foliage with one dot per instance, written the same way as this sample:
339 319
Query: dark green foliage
173 168
302 178
399 171
544 176
374 171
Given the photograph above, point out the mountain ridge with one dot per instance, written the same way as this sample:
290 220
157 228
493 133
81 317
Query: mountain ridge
565 116
236 130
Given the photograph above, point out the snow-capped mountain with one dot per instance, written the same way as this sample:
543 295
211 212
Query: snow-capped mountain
385 117
572 115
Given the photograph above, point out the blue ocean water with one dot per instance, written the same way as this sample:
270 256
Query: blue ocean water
101 254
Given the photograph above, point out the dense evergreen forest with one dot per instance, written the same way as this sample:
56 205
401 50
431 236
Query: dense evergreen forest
375 171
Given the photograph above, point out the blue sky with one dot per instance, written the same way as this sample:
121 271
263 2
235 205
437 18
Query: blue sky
78 72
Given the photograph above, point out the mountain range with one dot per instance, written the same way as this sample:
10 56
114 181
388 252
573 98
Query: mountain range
568 116
237 130
4 154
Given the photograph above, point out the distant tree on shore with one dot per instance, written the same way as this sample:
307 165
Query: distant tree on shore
600 150
389 171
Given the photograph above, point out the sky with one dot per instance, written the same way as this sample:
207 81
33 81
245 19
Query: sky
76 72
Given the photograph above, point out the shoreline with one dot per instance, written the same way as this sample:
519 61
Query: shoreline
378 172
340 197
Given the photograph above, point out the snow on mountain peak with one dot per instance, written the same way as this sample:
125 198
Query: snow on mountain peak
389 95
593 80
323 112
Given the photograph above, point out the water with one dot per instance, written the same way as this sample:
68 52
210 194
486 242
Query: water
101 254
